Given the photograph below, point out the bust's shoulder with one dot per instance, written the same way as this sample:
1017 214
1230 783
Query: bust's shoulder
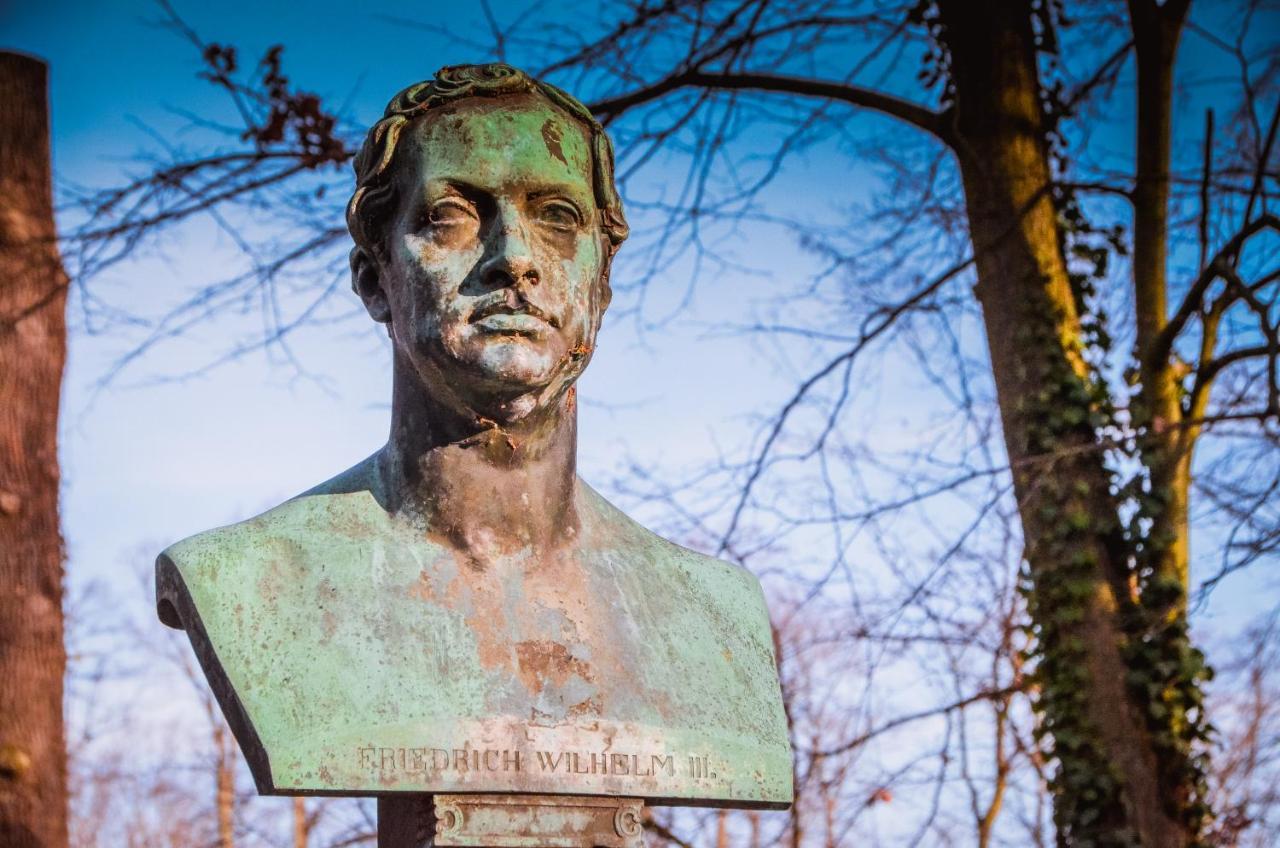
711 605
336 504
612 529
343 505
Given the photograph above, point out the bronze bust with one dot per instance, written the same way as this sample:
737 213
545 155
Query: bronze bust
460 612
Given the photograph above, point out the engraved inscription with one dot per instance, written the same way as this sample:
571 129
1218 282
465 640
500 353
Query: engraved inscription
700 767
474 759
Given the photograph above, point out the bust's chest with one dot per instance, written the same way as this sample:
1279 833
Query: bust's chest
387 628
337 644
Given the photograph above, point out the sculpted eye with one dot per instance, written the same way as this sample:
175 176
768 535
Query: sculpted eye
451 212
560 214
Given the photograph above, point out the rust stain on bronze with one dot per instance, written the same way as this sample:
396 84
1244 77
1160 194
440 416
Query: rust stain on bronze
539 661
424 589
551 137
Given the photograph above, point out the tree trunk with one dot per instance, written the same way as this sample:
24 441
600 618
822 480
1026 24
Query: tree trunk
301 826
33 771
1107 789
1168 447
225 793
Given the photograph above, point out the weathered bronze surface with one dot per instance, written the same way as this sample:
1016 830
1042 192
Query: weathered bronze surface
459 613
535 821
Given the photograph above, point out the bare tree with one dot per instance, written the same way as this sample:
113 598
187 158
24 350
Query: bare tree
994 192
1102 479
1244 774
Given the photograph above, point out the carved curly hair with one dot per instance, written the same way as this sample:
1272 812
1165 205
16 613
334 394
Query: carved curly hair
375 194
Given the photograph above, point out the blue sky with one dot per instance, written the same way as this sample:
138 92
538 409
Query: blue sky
147 463
150 464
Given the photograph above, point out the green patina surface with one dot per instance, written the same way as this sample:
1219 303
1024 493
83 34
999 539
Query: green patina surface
356 654
458 614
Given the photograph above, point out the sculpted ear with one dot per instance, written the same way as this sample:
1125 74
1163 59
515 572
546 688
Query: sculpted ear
605 289
606 293
367 283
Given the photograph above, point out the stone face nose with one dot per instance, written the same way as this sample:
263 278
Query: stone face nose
511 256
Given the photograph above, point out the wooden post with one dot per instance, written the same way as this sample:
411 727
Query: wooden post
33 292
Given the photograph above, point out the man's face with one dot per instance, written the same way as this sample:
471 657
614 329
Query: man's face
493 262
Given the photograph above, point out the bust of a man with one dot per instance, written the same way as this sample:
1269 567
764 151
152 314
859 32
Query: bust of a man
460 612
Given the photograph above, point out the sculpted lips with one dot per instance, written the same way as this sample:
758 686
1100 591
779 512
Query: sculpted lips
501 315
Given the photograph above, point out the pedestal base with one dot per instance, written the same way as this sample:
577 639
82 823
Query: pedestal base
509 821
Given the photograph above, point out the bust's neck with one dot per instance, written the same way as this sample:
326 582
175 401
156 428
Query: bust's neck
488 489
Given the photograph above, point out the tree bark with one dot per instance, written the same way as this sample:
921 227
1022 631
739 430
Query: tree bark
33 771
1156 31
1108 788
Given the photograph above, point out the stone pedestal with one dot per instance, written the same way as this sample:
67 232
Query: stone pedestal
509 821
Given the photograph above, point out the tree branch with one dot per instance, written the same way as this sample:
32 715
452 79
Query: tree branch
873 327
986 695
914 114
1191 304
